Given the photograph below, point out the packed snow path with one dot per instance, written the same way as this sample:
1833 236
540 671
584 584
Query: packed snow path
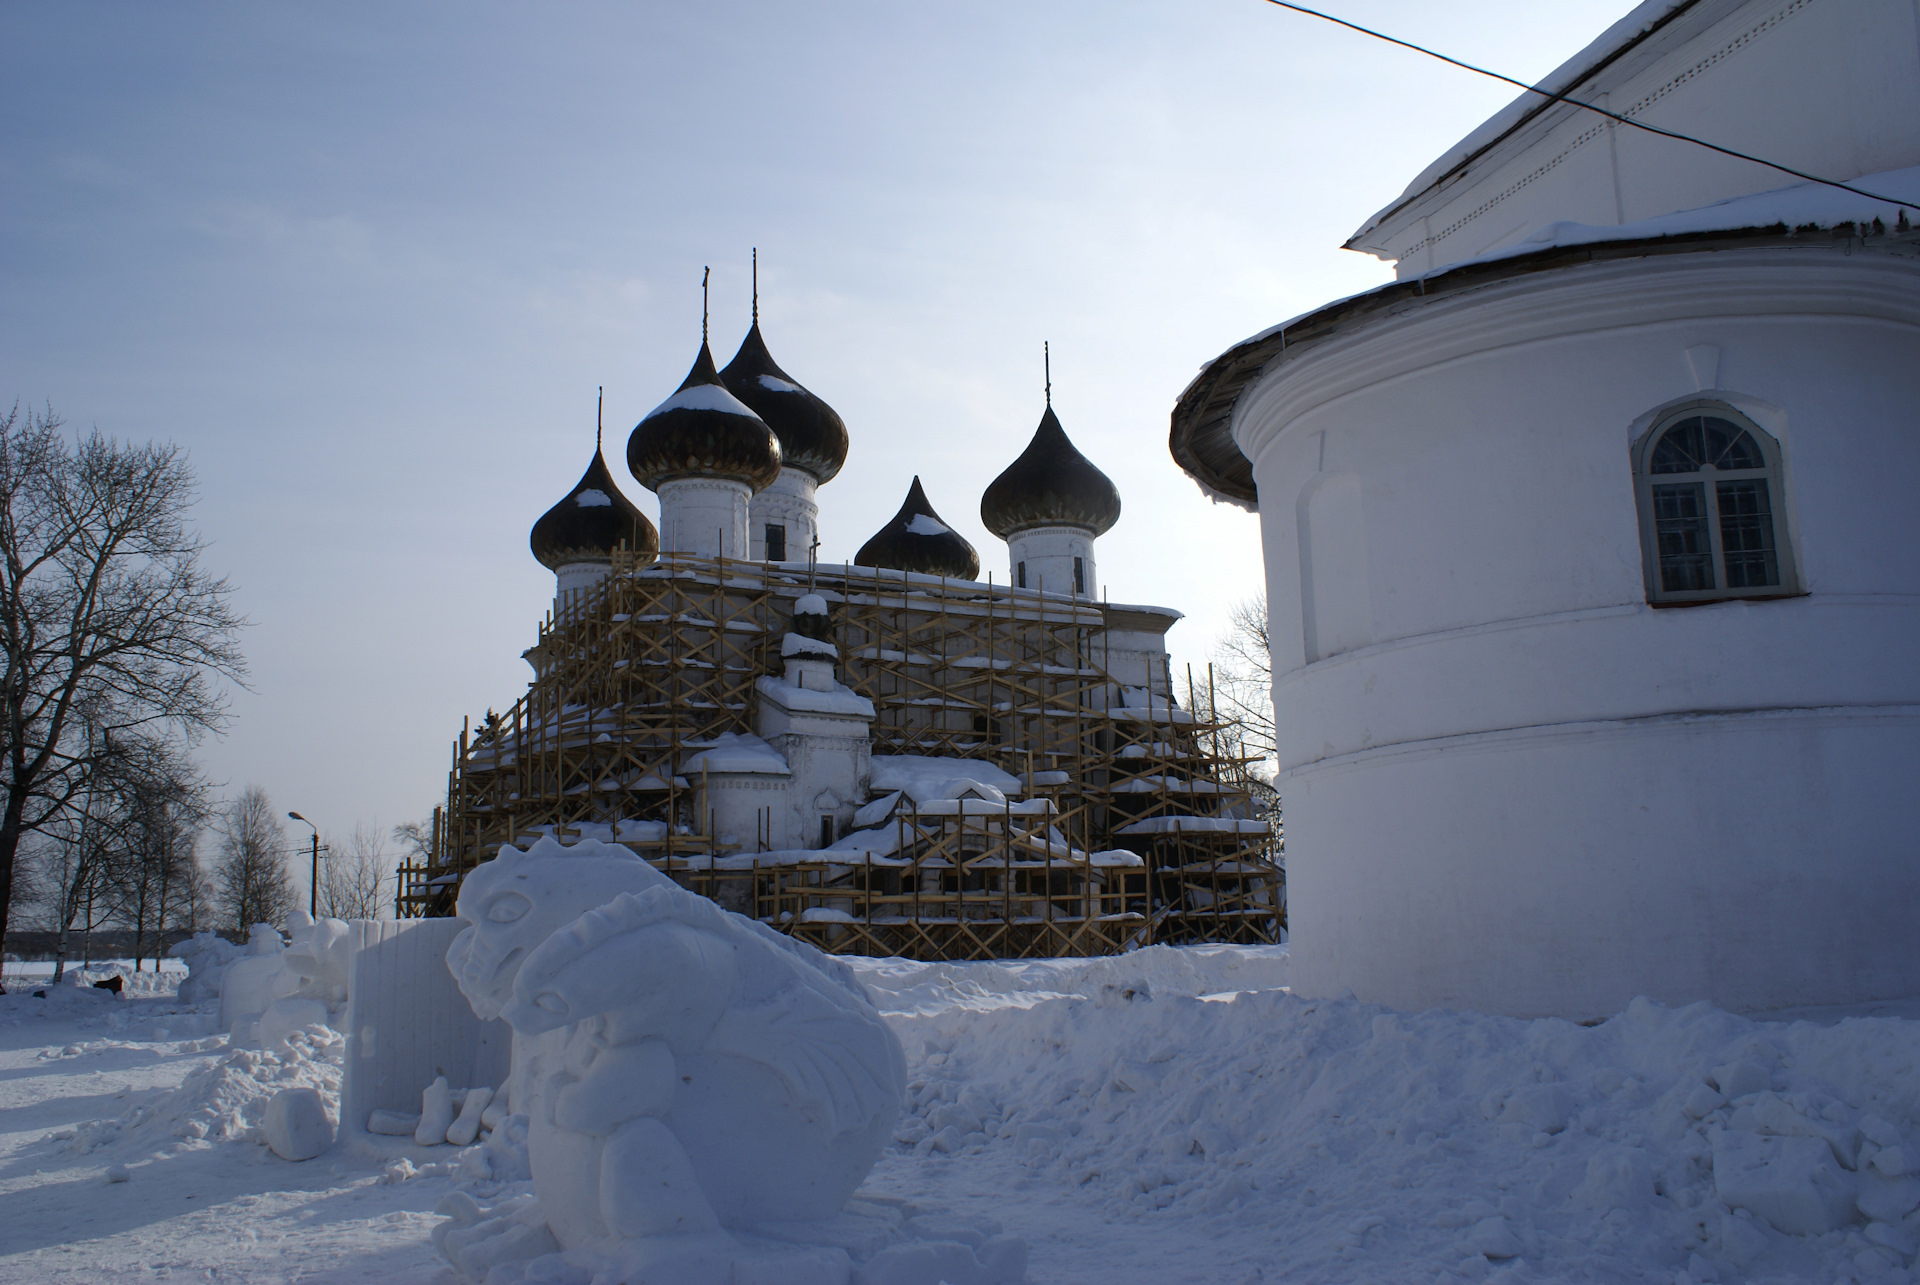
1167 1116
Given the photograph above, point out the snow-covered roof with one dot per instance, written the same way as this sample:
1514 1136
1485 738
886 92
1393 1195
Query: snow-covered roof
737 752
1644 19
926 778
801 645
804 700
1194 825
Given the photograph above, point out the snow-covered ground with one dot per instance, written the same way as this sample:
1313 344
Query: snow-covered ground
1165 1116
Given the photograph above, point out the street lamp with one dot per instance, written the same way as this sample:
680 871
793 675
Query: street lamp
313 882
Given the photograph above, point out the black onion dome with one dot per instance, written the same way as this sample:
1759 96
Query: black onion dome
1051 484
917 540
703 431
593 521
812 434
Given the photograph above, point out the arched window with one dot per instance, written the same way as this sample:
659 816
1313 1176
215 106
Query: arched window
1712 522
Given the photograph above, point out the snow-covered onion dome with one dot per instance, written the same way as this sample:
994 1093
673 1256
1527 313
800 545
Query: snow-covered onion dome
575 539
812 435
784 518
915 539
1048 506
704 453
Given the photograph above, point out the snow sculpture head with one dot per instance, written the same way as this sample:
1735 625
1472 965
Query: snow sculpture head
519 899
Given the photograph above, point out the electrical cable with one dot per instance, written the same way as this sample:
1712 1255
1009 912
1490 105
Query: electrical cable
1575 102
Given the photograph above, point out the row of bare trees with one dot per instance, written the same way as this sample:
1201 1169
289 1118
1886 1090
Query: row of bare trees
119 647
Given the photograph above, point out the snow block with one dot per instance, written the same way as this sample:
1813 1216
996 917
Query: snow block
407 1022
1792 1182
436 1114
466 1128
295 1125
393 1124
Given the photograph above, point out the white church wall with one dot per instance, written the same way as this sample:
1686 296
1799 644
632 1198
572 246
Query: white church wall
1776 78
789 503
1499 757
1045 558
1133 646
705 516
576 580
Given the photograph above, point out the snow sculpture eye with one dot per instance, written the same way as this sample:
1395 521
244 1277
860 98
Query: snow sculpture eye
506 909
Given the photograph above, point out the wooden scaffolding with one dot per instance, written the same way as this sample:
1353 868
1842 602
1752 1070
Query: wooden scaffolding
1137 821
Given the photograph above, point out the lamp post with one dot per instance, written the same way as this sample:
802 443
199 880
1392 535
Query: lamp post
313 881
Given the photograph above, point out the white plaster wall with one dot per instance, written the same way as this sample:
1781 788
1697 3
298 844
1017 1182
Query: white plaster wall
1829 87
831 758
706 516
1049 552
790 501
1509 783
735 806
575 583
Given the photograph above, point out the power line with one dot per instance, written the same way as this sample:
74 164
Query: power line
1575 102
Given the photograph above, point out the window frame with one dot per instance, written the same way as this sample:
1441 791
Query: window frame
1707 478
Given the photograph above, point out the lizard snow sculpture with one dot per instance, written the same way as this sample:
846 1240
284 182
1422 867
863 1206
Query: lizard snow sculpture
683 1069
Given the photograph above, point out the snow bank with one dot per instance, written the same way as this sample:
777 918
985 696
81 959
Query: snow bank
225 1101
1374 1144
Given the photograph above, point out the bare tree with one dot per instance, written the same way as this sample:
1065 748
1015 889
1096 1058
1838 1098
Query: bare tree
103 605
250 874
158 805
353 879
1243 676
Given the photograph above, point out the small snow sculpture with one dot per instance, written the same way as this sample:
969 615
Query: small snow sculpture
295 1125
207 956
436 1114
466 1127
684 1070
253 982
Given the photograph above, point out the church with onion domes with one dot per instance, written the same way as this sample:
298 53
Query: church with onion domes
892 754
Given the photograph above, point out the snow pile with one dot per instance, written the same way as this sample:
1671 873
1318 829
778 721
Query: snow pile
1373 1144
225 1101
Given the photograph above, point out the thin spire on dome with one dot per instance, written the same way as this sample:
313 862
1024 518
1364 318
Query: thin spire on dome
1046 362
591 522
813 437
599 416
703 430
1051 484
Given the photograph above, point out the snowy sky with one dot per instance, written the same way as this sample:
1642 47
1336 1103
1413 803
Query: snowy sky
368 263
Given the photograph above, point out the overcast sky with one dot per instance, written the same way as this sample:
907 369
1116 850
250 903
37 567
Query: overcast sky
368 263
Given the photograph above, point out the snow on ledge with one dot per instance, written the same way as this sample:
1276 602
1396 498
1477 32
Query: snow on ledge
1798 206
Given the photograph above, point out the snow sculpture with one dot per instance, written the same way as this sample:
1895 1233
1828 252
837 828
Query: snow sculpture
252 982
207 956
275 990
689 1076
